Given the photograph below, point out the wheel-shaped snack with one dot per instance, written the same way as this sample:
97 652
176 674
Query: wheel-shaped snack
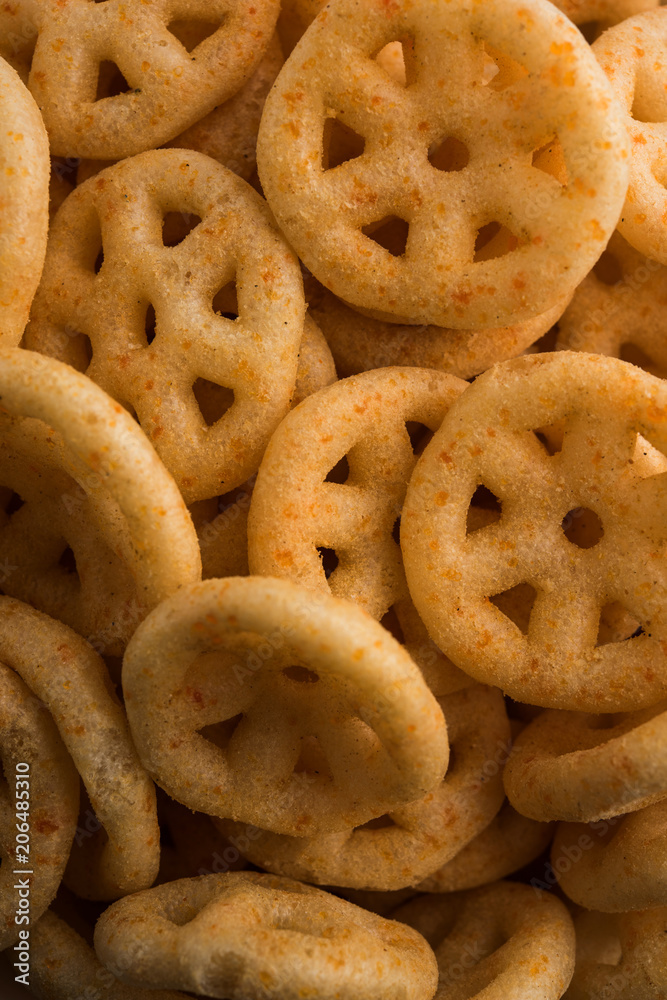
477 195
24 197
509 842
501 942
632 54
299 506
615 864
581 768
620 309
622 956
253 699
413 841
251 934
116 849
95 532
165 75
39 798
577 529
201 338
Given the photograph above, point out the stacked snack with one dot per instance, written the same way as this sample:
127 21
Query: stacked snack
307 643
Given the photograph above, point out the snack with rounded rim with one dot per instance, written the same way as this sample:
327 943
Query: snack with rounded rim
527 170
208 389
41 796
248 933
581 768
412 841
254 699
24 196
577 530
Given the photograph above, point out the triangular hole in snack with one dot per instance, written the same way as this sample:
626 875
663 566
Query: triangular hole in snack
647 460
213 400
419 435
516 604
329 560
494 240
616 624
339 473
449 155
507 70
582 527
110 81
340 143
550 159
607 268
379 823
225 301
397 60
391 233
390 622
551 437
220 733
191 32
13 503
485 508
301 675
312 760
176 226
149 324
67 560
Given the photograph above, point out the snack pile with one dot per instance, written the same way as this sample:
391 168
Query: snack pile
333 499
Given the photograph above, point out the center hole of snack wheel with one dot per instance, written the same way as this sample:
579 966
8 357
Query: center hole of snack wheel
582 527
301 674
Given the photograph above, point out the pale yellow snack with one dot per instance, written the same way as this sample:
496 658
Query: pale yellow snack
501 942
413 841
24 202
249 934
581 768
299 506
477 195
576 529
620 309
212 378
95 532
254 699
163 86
633 56
39 799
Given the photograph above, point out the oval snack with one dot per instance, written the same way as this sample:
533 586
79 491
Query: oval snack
580 768
574 530
233 936
156 84
632 54
500 942
24 197
41 796
300 507
85 485
413 841
476 196
253 699
208 389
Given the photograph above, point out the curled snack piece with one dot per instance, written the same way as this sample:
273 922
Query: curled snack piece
198 334
24 197
571 766
622 956
84 482
616 864
500 942
169 76
620 309
245 934
411 842
509 842
632 54
63 966
300 505
575 527
255 699
471 212
38 806
116 851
